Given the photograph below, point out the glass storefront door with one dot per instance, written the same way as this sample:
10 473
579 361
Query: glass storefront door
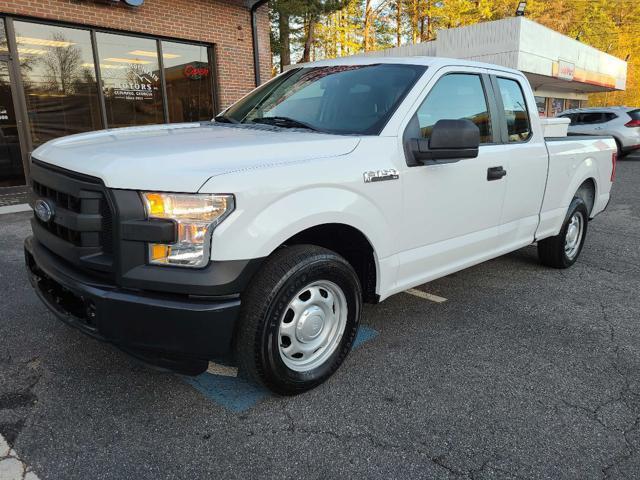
11 168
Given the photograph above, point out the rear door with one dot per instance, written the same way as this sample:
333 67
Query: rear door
524 154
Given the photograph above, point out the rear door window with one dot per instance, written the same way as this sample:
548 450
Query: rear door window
515 110
592 118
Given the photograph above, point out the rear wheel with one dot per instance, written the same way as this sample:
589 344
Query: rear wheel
563 250
298 319
619 147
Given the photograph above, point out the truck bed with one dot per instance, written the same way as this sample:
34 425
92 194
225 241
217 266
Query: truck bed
570 165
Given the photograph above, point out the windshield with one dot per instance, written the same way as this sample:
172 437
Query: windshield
353 99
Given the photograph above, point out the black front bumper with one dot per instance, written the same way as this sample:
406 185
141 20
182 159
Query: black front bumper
179 332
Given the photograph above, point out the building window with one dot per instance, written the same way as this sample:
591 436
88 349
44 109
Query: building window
541 103
572 104
130 73
557 106
456 96
515 110
4 47
188 77
61 92
11 169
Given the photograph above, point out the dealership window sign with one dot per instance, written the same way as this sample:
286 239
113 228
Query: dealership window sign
196 72
141 86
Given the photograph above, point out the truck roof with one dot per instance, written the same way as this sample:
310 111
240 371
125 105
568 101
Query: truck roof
432 62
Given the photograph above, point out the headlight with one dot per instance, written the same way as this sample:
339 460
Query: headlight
196 215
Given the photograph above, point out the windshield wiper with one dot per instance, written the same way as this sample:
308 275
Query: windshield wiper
284 122
223 119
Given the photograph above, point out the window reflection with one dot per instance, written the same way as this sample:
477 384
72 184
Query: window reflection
515 110
4 48
130 74
188 76
456 96
59 80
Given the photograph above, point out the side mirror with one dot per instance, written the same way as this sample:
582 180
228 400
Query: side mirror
450 141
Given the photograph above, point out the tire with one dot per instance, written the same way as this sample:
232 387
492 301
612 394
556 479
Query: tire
324 290
620 153
563 250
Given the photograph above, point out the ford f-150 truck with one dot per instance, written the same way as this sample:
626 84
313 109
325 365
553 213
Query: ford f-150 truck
261 233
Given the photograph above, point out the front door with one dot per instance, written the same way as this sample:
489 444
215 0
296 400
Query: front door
11 167
452 211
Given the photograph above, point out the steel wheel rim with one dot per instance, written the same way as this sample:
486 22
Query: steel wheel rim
312 326
573 238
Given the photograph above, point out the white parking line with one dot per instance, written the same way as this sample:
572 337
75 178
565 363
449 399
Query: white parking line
23 207
427 296
11 467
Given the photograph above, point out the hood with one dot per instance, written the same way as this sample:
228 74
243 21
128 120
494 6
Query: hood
182 157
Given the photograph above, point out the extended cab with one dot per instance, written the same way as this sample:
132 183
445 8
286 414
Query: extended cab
262 232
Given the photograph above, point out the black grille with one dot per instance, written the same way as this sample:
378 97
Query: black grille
81 230
106 235
60 198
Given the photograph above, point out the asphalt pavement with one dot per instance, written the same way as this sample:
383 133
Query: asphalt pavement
523 372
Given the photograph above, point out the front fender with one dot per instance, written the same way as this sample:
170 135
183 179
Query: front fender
256 230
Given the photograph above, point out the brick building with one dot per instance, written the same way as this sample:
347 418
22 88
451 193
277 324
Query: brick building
71 66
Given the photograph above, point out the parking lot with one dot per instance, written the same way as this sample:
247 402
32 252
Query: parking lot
523 372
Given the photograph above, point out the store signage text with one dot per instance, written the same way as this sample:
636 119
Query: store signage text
196 73
141 85
566 70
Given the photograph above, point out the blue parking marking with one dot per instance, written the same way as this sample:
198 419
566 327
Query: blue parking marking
364 335
237 394
233 393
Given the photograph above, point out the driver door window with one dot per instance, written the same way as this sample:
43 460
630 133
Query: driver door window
456 96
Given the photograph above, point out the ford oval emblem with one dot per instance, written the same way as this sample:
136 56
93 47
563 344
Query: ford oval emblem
43 210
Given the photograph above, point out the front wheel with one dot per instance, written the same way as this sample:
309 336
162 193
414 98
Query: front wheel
563 250
298 319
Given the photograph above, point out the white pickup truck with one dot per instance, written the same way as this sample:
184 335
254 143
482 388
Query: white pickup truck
262 232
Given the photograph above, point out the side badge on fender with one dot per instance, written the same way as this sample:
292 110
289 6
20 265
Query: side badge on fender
381 175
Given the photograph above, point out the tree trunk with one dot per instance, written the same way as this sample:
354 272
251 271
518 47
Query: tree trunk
308 43
398 22
414 21
285 48
366 34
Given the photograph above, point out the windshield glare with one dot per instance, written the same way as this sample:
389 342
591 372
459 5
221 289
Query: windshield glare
350 99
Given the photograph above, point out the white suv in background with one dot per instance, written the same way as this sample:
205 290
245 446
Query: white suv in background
622 123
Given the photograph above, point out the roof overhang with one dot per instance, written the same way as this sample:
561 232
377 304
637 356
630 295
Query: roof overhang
538 51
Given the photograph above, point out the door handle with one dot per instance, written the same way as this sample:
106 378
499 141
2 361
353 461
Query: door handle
495 173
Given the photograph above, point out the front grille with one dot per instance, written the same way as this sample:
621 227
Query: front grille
81 229
106 235
60 199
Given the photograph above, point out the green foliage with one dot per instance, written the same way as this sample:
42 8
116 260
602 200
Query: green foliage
330 28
